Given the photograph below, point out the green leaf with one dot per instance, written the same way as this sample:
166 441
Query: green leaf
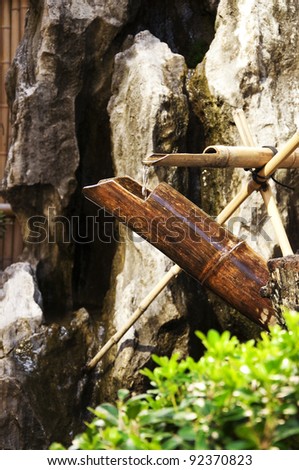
287 430
123 394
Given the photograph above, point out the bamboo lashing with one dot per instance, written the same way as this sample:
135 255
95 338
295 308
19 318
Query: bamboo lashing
267 194
290 146
265 172
221 156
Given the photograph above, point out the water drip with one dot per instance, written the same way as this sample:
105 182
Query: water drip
145 178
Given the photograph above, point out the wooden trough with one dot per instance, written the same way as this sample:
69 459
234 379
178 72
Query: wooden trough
198 244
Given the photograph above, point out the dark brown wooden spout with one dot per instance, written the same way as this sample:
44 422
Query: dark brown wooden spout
193 240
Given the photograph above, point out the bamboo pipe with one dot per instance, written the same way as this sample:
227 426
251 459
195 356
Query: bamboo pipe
221 156
249 157
179 159
267 195
186 234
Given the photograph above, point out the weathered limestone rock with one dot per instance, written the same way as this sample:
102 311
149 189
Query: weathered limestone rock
41 380
148 112
62 41
20 298
283 285
44 148
251 64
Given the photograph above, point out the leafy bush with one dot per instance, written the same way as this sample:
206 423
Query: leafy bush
237 396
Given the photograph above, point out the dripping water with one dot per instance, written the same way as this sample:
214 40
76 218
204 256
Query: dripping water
145 178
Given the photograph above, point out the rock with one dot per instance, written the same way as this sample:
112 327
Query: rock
251 65
46 78
42 385
20 304
211 5
44 391
148 112
283 285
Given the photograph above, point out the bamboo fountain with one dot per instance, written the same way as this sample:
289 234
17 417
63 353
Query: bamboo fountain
199 245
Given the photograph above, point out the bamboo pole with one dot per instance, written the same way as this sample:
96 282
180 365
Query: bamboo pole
267 195
249 157
290 146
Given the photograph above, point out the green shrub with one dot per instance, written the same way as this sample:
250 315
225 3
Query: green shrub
237 396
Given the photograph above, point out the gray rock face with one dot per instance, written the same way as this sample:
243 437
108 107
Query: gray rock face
148 111
41 379
44 96
20 297
63 40
251 64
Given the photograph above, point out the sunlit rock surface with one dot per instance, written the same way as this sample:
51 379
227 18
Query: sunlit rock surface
252 64
148 112
42 384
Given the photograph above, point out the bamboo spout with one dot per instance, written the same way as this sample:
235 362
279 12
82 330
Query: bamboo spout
221 156
199 245
177 159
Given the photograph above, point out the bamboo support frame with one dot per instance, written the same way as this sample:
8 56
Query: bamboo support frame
290 147
267 195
